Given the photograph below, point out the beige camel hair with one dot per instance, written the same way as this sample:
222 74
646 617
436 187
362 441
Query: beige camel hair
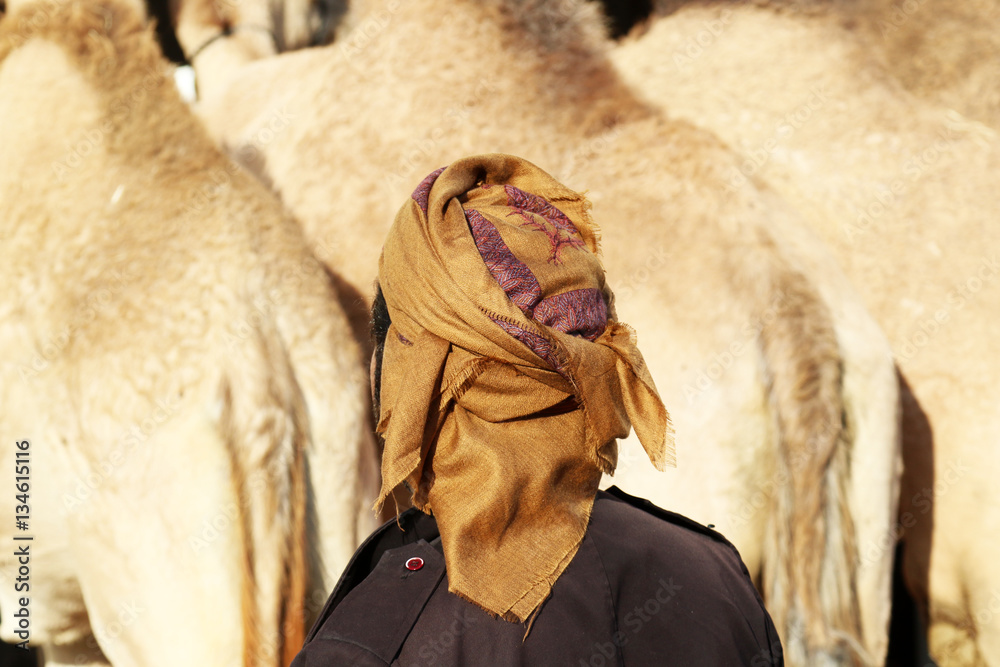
201 461
219 36
768 362
943 51
946 52
904 193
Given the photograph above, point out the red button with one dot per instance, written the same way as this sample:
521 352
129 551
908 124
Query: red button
414 564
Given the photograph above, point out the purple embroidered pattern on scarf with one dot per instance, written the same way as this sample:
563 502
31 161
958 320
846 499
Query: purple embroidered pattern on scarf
537 344
516 279
423 191
580 312
560 229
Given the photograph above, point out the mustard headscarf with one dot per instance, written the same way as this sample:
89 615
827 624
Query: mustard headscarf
506 378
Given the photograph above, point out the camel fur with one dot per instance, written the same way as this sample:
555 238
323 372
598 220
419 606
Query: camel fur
760 348
903 193
201 461
944 52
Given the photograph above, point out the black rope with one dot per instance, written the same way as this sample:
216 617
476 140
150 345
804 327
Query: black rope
230 30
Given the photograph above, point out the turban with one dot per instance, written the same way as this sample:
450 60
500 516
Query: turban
506 378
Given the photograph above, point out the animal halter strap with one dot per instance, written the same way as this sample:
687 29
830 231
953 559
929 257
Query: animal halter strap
229 30
506 377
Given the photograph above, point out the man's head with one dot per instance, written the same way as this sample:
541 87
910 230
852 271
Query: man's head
501 375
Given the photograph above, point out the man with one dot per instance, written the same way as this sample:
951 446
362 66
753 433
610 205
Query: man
502 381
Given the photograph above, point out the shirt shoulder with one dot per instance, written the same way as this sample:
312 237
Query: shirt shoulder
678 586
635 527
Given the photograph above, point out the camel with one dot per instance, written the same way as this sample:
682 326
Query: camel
781 386
177 372
903 193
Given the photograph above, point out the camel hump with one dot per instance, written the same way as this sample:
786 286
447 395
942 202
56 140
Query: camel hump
84 30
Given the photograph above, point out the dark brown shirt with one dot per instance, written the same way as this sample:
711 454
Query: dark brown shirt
647 587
